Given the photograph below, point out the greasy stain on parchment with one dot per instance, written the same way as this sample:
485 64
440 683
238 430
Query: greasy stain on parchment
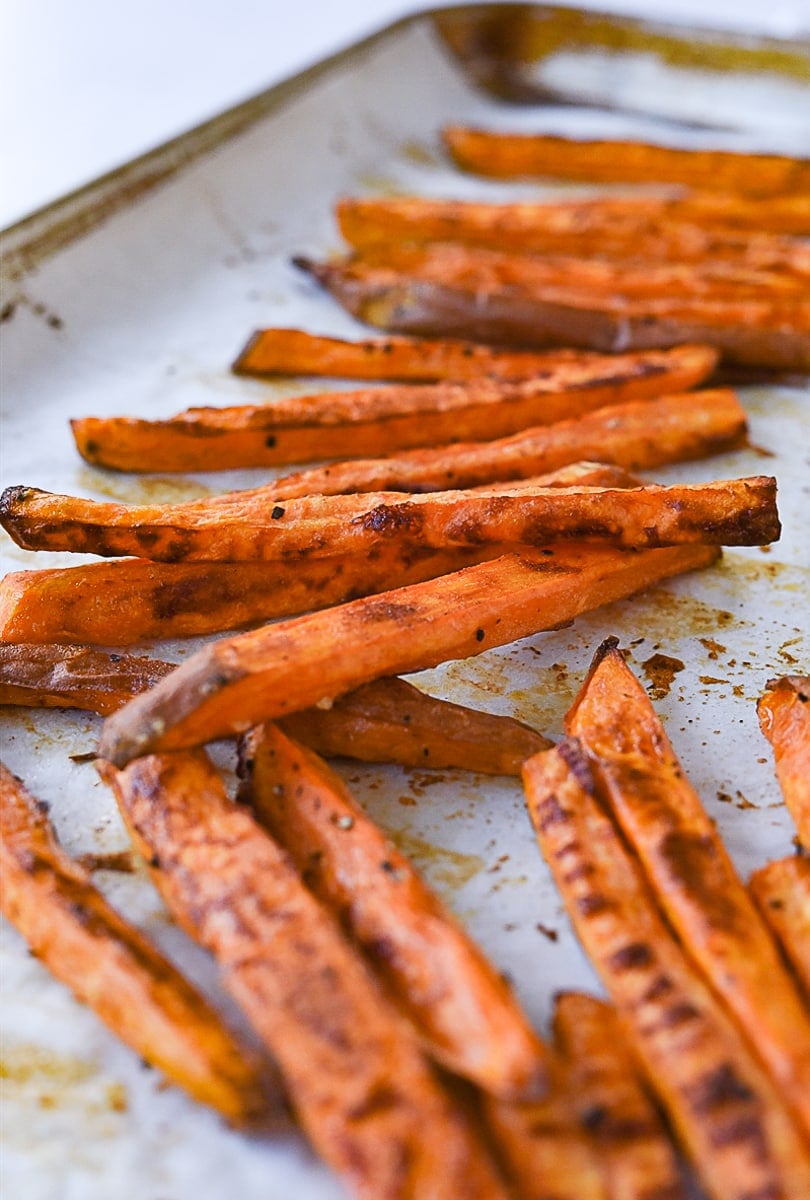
445 869
40 1078
660 671
142 489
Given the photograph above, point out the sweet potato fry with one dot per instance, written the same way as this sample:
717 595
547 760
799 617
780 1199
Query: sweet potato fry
601 230
240 681
403 360
507 155
543 1149
690 871
730 210
352 477
132 600
353 1069
53 676
465 1015
782 892
747 333
726 512
786 213
385 721
488 269
727 1113
638 435
380 420
633 1145
390 720
110 966
784 717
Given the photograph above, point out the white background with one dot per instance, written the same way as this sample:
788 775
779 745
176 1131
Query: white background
86 85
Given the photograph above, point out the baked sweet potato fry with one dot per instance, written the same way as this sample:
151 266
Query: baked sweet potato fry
238 682
728 1115
784 717
638 435
781 889
110 966
507 155
353 1069
131 600
126 601
277 351
634 1147
54 676
690 871
381 420
781 213
390 720
465 1015
543 1149
751 333
633 281
601 230
730 512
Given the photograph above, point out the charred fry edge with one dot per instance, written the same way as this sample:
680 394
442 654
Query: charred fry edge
689 870
723 1107
354 1072
464 1013
110 966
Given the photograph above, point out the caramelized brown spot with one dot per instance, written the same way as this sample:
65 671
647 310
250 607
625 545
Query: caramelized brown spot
717 1089
630 958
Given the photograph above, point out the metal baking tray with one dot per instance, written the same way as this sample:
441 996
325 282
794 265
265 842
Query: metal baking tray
133 296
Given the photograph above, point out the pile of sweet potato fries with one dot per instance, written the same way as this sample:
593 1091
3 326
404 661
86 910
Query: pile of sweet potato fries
480 487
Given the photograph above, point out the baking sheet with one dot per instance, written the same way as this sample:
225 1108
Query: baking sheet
134 298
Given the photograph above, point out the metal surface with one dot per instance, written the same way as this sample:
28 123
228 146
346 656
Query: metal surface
132 297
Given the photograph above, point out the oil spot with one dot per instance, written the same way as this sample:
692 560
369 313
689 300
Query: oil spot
420 153
448 869
660 670
148 489
714 647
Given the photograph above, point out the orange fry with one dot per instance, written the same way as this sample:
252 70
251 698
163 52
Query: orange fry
353 1069
728 1115
133 600
238 682
506 155
762 333
782 892
543 1149
110 966
380 420
638 435
690 871
53 676
596 230
784 717
399 359
465 1015
247 527
711 279
633 1145
390 720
